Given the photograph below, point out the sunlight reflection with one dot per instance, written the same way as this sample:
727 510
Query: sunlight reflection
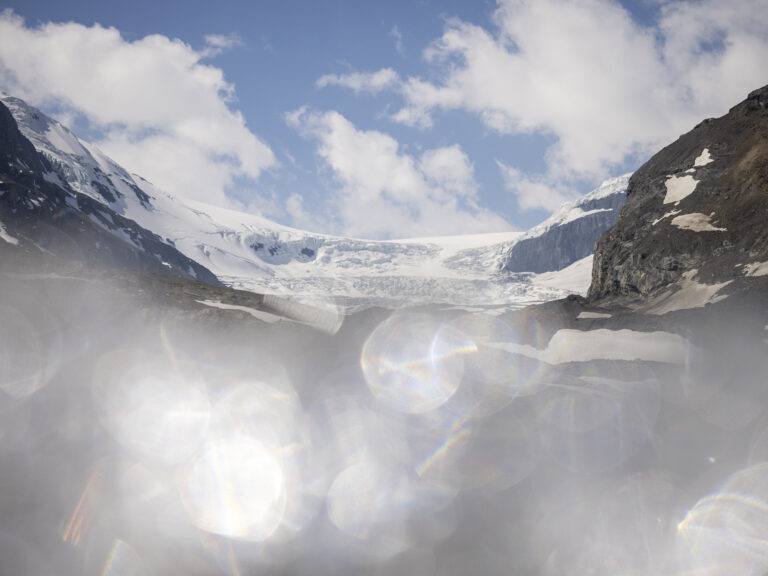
158 410
237 489
413 364
727 532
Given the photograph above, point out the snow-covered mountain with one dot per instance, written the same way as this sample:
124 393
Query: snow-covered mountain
249 252
571 232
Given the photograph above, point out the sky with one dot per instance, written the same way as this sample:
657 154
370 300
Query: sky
383 119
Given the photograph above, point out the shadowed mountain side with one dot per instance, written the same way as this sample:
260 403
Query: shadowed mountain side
38 215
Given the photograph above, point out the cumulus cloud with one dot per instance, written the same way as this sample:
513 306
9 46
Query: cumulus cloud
372 82
587 73
398 37
383 192
159 110
217 43
607 88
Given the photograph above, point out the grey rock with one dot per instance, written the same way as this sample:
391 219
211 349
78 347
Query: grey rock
654 243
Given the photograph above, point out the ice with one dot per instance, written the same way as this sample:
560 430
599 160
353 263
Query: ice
696 222
248 252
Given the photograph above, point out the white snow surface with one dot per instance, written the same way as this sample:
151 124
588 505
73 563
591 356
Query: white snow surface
679 187
249 252
592 315
686 294
7 237
696 222
667 215
703 159
756 269
584 346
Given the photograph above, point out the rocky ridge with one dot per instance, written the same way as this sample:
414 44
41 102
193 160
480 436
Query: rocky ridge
696 212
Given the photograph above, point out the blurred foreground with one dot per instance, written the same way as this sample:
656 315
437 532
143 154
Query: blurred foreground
153 425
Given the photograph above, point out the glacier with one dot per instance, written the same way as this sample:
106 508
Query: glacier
248 252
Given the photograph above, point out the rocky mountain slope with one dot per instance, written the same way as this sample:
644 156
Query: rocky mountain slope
696 213
41 215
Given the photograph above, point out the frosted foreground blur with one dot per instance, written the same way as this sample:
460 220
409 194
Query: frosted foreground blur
153 435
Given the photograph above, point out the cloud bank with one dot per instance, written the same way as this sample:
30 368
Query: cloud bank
161 112
607 88
382 192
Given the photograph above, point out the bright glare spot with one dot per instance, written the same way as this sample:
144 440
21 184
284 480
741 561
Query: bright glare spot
151 407
236 489
413 363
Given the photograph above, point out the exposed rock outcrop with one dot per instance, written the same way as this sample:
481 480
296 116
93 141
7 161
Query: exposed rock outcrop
697 209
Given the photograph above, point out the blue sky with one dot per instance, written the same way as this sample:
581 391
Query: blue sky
384 119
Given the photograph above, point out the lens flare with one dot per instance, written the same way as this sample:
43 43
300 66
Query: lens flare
726 533
270 414
493 376
151 406
413 363
593 424
122 561
236 489
382 506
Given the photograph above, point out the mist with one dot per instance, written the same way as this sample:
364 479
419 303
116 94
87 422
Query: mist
145 433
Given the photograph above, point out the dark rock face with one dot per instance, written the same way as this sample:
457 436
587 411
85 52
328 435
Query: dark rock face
570 234
45 217
699 204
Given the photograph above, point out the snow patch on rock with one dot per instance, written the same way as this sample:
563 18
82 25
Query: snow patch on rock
685 295
703 159
696 222
756 269
621 345
679 187
7 237
668 214
591 315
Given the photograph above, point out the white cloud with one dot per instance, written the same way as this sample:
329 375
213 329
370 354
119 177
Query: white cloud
162 113
395 33
385 193
534 192
372 82
584 72
217 43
